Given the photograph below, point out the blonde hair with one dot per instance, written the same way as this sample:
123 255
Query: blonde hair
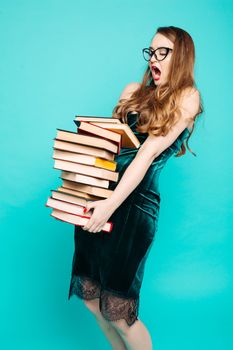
158 106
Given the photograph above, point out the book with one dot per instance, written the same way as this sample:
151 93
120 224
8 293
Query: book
86 133
78 193
84 149
98 119
65 206
73 209
88 180
84 159
129 139
96 191
94 141
86 170
97 130
77 220
69 197
79 172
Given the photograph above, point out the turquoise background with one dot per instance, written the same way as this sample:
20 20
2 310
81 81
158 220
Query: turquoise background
62 58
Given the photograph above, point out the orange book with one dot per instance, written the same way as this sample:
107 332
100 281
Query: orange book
84 159
102 174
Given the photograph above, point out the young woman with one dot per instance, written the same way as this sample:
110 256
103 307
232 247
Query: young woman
107 269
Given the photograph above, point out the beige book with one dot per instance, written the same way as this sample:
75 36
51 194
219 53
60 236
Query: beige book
83 149
88 180
96 191
97 130
68 197
84 195
128 140
97 119
93 141
64 206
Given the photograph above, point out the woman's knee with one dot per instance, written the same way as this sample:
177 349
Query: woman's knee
92 305
121 326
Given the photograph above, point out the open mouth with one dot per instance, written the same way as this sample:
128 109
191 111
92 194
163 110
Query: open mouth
156 73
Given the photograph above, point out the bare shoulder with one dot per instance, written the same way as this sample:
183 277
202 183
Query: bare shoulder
190 103
190 99
129 89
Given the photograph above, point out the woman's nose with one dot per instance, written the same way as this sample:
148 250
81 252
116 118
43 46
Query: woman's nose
153 59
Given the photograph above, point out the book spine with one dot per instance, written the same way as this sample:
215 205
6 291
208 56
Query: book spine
119 146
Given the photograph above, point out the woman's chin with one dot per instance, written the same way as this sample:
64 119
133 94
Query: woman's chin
157 82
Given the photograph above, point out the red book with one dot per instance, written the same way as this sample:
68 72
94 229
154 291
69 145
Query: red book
77 220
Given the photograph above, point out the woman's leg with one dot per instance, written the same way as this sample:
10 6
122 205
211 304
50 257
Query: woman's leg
136 336
110 332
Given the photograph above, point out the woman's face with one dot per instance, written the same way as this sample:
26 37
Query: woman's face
160 69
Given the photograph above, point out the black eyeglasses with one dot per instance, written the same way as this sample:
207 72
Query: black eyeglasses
160 53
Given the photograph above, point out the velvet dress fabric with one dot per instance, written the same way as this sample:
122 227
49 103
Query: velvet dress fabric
110 266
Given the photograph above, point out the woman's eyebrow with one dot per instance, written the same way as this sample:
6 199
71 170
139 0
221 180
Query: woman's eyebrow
159 47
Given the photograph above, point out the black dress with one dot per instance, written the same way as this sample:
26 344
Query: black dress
110 266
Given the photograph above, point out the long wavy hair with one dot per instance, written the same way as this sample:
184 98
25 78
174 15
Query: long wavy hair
158 106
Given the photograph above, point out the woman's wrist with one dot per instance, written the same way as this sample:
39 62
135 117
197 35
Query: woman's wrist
112 202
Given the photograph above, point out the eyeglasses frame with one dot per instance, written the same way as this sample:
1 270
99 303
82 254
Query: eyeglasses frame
153 52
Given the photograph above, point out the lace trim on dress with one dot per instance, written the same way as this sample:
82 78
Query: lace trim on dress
84 287
113 307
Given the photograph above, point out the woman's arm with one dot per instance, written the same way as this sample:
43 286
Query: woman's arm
151 148
137 169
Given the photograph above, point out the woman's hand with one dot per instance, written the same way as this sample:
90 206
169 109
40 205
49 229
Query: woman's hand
103 209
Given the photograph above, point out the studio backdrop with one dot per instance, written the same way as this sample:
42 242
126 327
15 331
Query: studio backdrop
63 58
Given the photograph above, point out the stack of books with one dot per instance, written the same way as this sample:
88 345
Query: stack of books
86 160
